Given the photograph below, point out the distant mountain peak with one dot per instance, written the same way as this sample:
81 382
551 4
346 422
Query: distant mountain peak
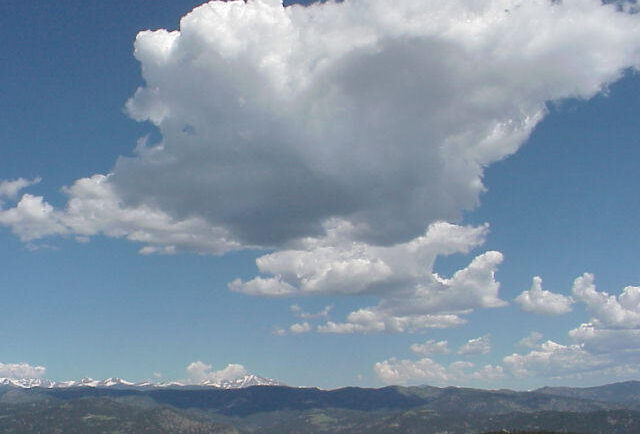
241 382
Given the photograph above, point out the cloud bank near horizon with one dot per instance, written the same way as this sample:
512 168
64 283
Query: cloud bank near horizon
607 346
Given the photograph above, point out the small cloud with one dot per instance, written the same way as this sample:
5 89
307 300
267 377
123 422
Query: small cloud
34 247
299 328
481 345
374 320
33 218
10 189
298 312
158 250
278 331
539 301
431 347
267 287
199 371
552 359
426 370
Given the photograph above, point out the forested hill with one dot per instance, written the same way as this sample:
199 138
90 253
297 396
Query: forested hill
276 409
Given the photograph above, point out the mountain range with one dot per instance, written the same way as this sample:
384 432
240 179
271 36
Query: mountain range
114 382
114 405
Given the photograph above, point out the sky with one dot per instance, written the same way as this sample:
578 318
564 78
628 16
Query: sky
357 193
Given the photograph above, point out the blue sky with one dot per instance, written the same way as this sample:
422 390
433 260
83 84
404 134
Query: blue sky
310 176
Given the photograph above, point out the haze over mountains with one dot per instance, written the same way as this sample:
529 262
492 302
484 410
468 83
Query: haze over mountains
114 405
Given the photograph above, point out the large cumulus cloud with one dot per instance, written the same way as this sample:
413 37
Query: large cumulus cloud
275 120
381 112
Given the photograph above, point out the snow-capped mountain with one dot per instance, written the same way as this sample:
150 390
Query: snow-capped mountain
240 382
118 383
26 383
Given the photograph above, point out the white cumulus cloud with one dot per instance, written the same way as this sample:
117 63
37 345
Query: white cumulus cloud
614 329
607 345
33 218
374 320
481 345
544 302
552 359
412 297
431 347
380 112
299 328
426 370
623 343
622 311
95 208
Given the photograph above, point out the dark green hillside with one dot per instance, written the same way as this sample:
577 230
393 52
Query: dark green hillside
600 422
626 392
101 415
483 402
286 410
258 399
524 432
243 402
